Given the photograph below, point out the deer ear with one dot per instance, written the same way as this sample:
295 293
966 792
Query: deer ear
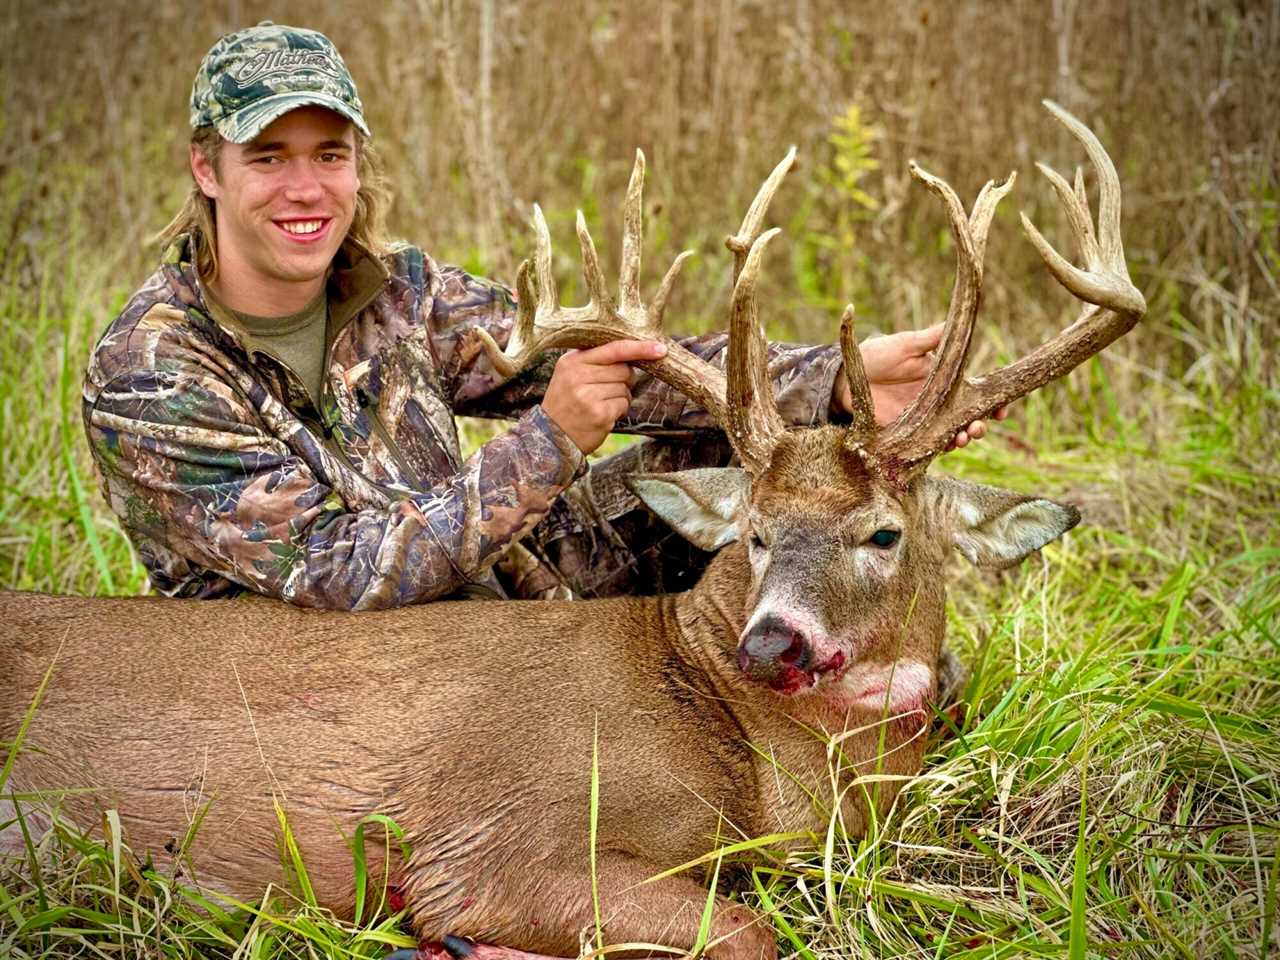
994 527
703 505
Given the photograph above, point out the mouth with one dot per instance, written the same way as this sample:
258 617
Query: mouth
304 230
790 680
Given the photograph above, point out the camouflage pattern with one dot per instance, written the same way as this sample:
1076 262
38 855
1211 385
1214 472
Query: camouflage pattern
251 77
227 477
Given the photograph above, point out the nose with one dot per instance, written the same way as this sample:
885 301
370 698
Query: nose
302 186
773 644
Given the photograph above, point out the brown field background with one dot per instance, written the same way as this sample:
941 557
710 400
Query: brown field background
481 109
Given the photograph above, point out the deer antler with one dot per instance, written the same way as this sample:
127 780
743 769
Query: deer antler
1113 305
753 423
742 403
541 323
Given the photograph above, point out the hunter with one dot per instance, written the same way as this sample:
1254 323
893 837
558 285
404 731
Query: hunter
273 410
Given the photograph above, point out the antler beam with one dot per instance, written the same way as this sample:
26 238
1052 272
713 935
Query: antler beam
1113 305
742 403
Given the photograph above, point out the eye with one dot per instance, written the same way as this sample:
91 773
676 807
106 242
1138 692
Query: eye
885 538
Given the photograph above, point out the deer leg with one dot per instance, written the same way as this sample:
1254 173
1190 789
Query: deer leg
455 948
548 917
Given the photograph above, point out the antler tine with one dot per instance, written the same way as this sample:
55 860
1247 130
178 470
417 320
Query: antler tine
1076 204
632 231
753 423
1108 186
984 209
1108 276
592 273
863 427
658 308
548 292
522 343
1113 305
900 440
742 241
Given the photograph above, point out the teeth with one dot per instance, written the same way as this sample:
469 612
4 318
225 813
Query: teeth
303 226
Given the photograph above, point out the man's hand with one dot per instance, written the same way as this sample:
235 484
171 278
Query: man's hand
591 389
896 369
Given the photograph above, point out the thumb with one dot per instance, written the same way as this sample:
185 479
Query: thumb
928 338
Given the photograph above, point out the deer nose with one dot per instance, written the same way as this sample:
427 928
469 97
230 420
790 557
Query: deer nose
770 645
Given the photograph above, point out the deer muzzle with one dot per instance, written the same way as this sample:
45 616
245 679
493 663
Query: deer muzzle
786 656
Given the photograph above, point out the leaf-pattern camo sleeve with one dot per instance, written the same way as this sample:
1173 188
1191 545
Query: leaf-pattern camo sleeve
803 376
187 462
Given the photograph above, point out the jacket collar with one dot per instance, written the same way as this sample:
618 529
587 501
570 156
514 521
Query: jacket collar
357 277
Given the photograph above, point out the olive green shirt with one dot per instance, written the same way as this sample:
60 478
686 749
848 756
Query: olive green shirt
298 340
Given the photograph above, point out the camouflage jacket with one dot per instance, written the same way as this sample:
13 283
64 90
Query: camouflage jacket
227 475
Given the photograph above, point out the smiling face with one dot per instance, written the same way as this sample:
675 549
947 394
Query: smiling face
283 203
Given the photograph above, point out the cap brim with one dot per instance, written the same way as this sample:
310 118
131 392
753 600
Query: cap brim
245 124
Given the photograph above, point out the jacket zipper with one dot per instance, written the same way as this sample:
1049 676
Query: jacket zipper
370 408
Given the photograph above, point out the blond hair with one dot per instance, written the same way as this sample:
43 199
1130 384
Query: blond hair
196 217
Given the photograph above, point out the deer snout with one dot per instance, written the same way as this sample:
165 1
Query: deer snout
784 655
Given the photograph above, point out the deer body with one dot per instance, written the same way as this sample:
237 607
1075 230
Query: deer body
477 741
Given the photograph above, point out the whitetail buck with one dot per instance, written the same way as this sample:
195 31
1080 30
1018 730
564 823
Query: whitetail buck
804 657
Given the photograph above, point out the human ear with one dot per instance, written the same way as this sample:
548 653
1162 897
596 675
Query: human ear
206 177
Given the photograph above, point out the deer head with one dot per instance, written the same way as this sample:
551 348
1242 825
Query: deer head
845 536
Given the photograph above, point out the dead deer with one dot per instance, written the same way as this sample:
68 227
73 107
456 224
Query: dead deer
805 655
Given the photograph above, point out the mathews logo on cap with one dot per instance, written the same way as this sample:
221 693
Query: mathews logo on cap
254 76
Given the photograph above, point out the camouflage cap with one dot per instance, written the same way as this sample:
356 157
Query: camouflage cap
256 75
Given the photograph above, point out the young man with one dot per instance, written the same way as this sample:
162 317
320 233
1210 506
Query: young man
273 409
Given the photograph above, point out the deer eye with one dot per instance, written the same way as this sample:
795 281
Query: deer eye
885 538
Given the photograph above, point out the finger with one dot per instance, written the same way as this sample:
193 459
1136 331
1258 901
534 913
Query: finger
617 409
976 430
591 395
623 351
583 370
913 368
925 340
1002 413
608 373
962 439
611 391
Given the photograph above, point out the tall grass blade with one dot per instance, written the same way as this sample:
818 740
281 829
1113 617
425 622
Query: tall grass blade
83 510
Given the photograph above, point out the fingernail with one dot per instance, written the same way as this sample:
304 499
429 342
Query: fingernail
659 349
